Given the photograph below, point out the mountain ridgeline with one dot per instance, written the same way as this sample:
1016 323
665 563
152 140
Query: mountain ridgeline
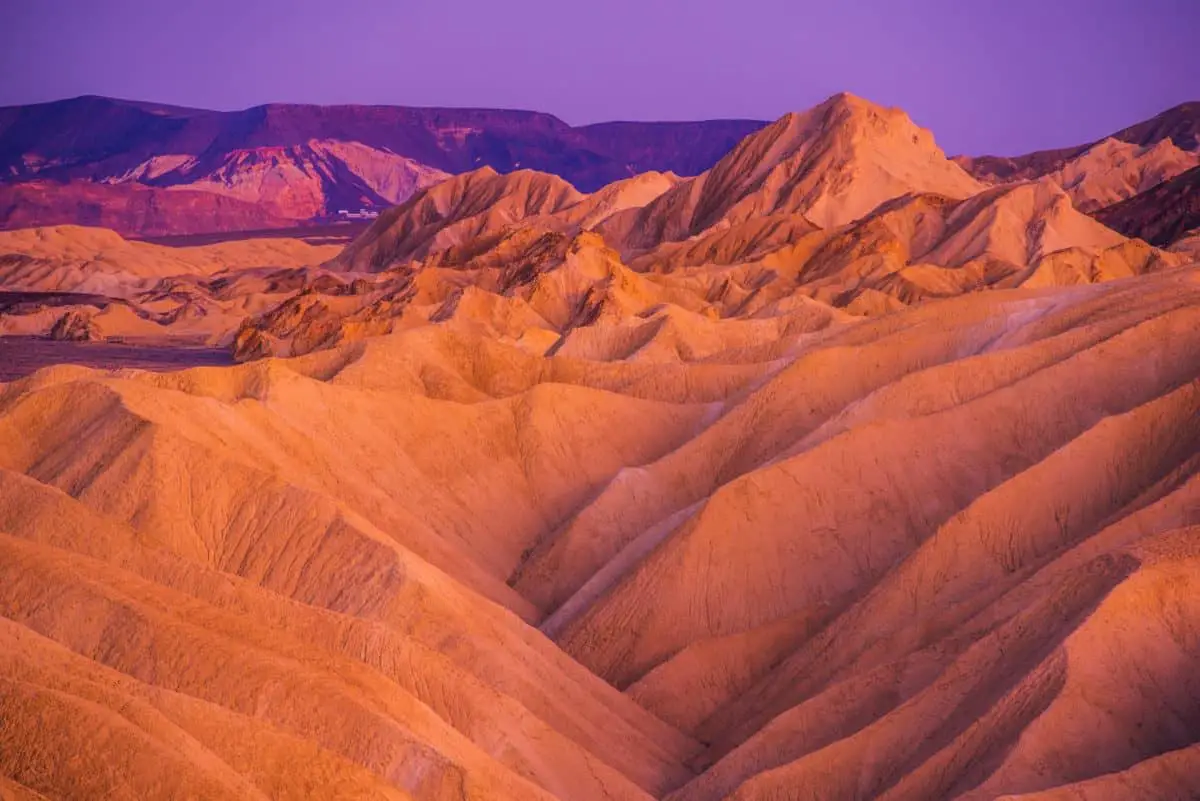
303 161
147 169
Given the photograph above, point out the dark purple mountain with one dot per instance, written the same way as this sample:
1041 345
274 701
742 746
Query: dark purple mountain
1160 215
93 138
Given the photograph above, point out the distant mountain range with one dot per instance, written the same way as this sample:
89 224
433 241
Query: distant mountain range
300 162
146 169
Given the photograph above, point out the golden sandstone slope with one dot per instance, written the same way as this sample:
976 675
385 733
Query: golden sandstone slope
904 506
138 290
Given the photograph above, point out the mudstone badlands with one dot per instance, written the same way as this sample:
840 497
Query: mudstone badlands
834 469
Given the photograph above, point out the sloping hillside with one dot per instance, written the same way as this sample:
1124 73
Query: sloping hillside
1161 215
830 474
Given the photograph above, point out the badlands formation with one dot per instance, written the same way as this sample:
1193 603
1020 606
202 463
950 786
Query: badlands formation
836 471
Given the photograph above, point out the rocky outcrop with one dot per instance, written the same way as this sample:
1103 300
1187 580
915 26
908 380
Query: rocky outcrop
75 326
1161 215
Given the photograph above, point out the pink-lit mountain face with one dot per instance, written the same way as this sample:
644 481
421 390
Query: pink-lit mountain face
309 162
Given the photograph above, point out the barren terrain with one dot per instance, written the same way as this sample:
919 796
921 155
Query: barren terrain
834 471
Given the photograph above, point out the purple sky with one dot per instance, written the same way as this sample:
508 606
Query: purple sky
988 76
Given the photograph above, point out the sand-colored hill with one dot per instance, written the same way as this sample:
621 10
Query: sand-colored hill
828 475
471 214
923 247
126 511
824 557
533 281
136 290
507 236
1112 171
104 251
631 193
833 164
530 285
475 205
